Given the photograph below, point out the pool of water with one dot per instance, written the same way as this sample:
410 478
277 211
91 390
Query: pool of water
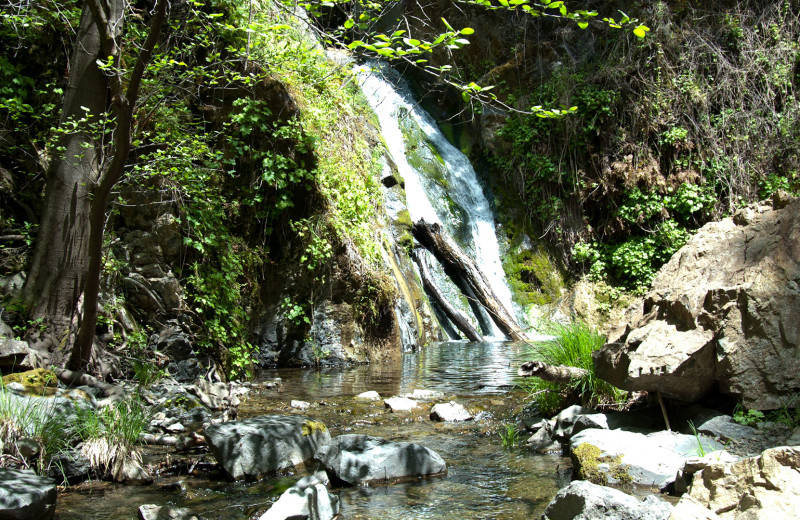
484 480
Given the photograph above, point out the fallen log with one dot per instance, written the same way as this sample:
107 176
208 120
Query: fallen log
68 377
437 241
554 374
456 317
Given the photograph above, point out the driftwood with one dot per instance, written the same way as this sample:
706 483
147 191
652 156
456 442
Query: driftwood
434 238
458 318
551 373
71 378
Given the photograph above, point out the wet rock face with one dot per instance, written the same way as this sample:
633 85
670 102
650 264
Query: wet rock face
722 313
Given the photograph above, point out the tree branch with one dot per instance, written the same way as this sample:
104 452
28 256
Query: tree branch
551 373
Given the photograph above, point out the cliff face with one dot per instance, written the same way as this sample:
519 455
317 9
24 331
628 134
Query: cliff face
722 315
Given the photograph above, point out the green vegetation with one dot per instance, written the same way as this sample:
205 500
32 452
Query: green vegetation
788 414
573 346
510 436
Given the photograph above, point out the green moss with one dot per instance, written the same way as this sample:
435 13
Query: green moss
533 277
311 427
36 382
587 458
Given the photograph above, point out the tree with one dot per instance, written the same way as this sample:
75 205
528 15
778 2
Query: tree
67 261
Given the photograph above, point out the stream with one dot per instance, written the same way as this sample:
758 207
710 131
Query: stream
484 481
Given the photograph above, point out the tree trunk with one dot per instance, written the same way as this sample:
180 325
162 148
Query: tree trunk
58 272
455 316
554 374
433 237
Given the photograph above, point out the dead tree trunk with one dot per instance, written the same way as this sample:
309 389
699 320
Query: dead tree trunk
554 374
453 314
433 237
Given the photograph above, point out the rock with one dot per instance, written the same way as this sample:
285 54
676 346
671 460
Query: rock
589 422
400 404
767 486
301 405
696 464
542 442
618 456
450 412
565 420
690 509
69 467
25 495
721 314
361 459
371 395
586 501
17 355
422 395
264 445
215 396
154 512
6 332
12 285
174 342
307 499
714 423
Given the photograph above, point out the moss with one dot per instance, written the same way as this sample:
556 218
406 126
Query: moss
36 382
533 277
587 459
311 427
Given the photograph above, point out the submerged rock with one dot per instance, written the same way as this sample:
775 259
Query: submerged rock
371 395
361 459
722 313
586 501
307 499
450 412
25 495
264 445
154 512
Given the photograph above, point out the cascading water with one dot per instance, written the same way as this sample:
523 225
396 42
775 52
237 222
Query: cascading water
440 183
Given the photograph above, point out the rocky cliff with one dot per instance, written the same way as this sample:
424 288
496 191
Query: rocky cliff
722 315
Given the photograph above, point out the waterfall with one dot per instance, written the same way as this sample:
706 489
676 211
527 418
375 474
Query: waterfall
440 183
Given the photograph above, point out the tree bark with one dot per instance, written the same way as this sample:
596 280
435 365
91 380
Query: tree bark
57 275
455 316
551 373
433 237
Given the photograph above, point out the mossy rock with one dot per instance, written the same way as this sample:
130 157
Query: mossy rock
39 381
311 427
587 460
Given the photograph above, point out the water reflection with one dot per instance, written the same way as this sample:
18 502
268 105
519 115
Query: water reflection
452 367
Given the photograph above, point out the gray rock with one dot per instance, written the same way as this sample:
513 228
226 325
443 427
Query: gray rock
154 512
264 445
300 405
721 314
400 404
361 459
215 396
174 342
566 419
6 332
26 496
696 464
307 499
582 500
371 395
12 285
17 356
542 442
70 467
588 422
715 424
450 412
652 459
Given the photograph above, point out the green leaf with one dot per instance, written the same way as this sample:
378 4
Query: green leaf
583 25
466 31
349 23
641 31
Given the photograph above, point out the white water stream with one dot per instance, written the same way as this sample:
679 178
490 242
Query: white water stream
441 186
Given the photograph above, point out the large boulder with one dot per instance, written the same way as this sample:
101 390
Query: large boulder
25 495
361 459
763 487
259 446
17 355
722 313
583 500
619 456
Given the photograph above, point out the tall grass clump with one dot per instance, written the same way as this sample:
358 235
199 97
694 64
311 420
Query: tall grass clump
573 345
31 431
109 436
